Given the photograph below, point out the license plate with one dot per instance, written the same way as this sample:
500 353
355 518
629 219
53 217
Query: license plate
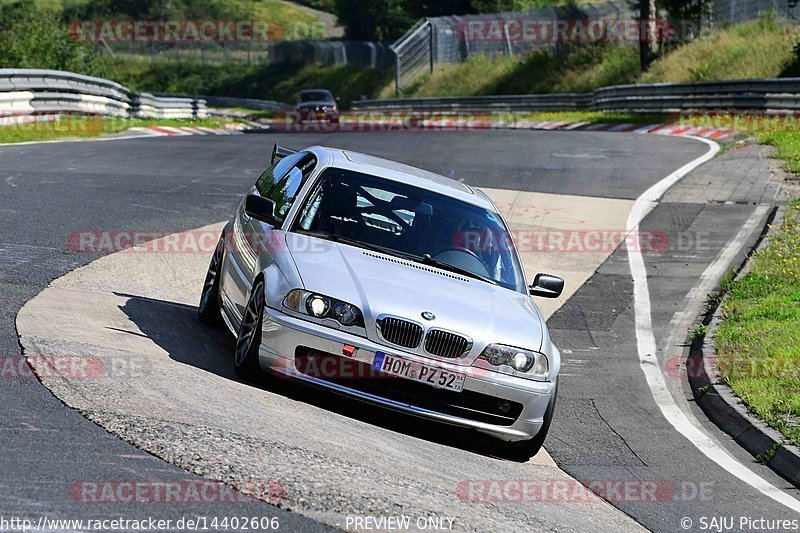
428 374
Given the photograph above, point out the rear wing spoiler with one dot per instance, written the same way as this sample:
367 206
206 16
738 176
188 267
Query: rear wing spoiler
279 152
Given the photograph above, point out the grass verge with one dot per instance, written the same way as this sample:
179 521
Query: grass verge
280 82
87 127
761 48
788 147
578 70
758 341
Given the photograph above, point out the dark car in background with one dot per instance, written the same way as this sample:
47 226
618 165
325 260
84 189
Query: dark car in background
317 105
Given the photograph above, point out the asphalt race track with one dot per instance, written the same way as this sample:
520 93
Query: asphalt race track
607 425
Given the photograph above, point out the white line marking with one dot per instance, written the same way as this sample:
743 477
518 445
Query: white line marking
646 344
153 135
10 180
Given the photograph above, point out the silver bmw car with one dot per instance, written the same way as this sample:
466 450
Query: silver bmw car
390 284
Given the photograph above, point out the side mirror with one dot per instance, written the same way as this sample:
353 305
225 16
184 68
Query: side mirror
547 286
262 209
338 99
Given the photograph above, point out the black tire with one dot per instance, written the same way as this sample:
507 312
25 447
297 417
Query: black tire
209 309
248 341
524 450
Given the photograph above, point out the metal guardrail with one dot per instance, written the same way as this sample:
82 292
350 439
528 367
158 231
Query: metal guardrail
534 102
413 54
232 101
779 94
25 92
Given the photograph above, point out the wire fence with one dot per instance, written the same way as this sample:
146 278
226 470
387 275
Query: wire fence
454 39
725 12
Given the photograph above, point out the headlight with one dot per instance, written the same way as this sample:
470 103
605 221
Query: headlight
524 361
347 314
320 306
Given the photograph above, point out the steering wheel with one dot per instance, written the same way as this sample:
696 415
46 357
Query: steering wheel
461 249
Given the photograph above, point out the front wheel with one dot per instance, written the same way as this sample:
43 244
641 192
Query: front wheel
524 450
209 309
248 341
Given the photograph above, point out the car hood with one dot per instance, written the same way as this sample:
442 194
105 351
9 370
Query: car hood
384 284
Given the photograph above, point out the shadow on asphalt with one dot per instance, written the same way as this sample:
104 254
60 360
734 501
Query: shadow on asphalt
178 331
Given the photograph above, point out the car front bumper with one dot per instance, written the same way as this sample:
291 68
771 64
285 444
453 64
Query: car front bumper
312 114
284 334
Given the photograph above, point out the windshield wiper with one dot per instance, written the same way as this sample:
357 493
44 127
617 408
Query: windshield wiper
428 260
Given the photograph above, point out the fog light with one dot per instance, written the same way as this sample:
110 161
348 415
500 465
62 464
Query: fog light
503 406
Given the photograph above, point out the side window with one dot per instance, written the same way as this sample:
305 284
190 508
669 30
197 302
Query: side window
276 172
282 181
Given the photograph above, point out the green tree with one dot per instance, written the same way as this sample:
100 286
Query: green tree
374 20
685 10
384 20
37 38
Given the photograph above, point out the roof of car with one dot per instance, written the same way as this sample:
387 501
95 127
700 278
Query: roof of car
393 170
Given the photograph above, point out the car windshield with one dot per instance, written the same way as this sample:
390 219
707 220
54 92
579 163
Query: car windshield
315 96
413 223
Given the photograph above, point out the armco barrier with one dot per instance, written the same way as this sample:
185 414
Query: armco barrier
231 101
778 94
46 92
